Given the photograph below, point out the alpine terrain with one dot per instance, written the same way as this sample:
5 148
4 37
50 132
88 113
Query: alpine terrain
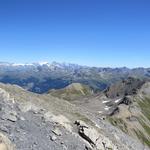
71 107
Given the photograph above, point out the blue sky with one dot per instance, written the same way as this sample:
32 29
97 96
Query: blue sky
111 33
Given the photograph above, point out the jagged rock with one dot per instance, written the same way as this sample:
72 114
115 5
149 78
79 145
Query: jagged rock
88 148
11 116
94 138
57 132
126 100
53 138
85 132
4 129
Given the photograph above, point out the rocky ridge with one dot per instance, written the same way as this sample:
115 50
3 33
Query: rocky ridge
41 122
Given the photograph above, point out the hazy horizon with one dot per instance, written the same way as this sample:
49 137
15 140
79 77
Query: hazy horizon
70 63
92 33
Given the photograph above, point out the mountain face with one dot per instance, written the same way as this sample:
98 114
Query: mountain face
41 77
30 121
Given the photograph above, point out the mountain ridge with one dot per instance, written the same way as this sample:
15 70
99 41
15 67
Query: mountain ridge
40 78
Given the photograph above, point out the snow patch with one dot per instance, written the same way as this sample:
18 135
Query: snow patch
104 102
118 100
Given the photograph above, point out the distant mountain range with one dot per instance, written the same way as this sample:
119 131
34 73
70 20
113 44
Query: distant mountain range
42 77
80 107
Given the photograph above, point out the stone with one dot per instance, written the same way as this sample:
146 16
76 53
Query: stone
10 115
11 118
57 132
22 118
88 148
4 129
65 147
93 137
62 143
88 134
53 138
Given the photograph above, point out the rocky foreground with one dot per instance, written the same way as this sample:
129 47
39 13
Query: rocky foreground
30 121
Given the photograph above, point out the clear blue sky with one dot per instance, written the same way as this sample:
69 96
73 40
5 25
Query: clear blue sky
88 32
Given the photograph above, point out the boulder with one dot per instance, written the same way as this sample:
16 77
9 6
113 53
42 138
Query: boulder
53 138
94 137
57 132
11 116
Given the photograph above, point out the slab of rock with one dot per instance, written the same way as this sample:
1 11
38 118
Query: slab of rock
94 138
53 138
4 129
57 132
11 117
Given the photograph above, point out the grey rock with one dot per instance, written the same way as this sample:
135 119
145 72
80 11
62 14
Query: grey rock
57 132
22 118
88 148
65 147
4 129
53 138
10 117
